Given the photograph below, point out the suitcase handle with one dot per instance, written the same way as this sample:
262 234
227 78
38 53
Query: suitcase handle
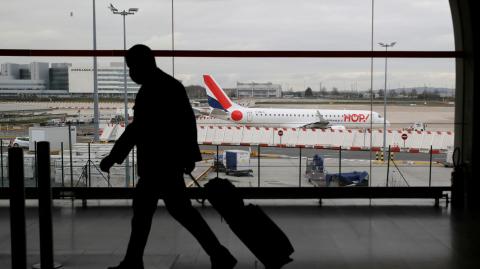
202 201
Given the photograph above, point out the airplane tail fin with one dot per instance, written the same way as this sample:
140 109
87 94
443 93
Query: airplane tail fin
217 98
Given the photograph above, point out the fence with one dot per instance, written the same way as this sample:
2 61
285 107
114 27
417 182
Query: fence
270 166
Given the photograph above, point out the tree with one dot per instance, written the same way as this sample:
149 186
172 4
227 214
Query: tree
413 93
381 93
423 95
195 91
323 91
308 92
392 93
335 91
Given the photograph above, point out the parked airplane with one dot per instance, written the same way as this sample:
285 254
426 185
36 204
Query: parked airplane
223 108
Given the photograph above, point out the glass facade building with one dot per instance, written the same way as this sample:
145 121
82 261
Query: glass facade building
259 90
110 81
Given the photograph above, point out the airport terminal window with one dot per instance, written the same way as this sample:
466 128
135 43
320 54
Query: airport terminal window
422 86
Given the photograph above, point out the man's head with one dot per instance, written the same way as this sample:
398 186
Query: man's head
141 63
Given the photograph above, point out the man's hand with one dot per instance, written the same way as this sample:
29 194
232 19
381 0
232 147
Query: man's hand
189 167
106 164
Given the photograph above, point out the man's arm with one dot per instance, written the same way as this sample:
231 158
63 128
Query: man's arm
124 143
121 149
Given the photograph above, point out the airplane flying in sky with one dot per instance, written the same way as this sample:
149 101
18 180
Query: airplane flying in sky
222 107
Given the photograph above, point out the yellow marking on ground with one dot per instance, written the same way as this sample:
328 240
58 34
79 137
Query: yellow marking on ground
412 163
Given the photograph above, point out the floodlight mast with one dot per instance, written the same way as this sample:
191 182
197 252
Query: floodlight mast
96 112
386 46
124 13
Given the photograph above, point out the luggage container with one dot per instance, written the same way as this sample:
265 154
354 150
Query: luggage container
237 162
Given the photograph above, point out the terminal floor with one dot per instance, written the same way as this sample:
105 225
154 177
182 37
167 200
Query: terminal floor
340 234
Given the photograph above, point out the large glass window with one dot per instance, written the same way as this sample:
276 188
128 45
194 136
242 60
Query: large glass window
341 95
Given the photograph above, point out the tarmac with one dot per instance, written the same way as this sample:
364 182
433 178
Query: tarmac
289 172
438 117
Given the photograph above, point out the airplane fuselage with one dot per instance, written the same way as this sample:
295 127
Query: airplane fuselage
223 108
294 118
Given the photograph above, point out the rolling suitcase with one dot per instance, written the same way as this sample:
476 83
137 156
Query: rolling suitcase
250 223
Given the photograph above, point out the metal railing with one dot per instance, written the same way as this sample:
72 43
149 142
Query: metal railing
266 166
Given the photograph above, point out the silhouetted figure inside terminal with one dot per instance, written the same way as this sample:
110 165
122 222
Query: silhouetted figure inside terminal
161 101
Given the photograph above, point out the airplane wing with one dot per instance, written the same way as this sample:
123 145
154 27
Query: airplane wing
320 123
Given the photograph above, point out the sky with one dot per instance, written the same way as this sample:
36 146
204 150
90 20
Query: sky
248 25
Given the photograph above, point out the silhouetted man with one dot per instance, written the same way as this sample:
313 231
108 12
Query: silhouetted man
164 155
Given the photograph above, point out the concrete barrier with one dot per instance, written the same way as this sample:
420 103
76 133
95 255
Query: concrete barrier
377 138
391 139
438 138
415 140
361 139
427 140
447 140
248 135
201 133
337 137
321 138
348 138
238 134
219 133
229 135
261 136
397 140
307 137
210 134
289 136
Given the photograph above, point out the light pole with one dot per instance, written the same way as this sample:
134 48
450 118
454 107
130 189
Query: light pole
386 46
124 13
95 85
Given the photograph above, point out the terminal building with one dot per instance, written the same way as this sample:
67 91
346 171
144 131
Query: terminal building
58 77
63 78
258 90
23 78
110 80
34 78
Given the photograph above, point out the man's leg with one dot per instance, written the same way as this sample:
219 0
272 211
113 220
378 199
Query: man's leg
144 204
180 207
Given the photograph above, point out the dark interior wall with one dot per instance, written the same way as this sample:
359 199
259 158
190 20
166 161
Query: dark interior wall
465 16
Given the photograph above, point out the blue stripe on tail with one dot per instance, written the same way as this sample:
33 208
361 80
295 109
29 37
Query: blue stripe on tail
214 103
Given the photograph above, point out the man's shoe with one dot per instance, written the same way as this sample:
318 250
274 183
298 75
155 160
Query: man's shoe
124 265
223 260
